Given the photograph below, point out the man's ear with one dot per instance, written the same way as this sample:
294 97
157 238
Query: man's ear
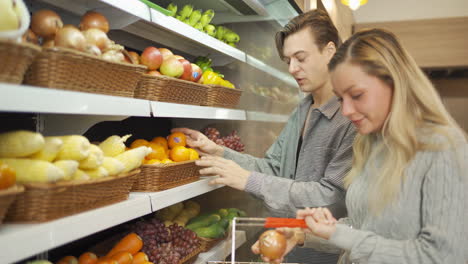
330 50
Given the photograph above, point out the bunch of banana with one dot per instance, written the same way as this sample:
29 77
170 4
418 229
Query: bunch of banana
226 35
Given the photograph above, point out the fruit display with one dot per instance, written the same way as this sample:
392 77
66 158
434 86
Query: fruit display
166 150
7 176
274 92
210 76
179 213
36 158
214 224
201 20
231 141
165 244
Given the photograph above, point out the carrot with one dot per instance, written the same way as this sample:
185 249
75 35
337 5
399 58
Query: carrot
140 258
122 257
131 243
88 258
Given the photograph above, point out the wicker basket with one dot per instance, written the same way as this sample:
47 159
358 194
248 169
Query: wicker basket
208 243
47 201
158 177
221 96
73 70
7 197
15 59
168 89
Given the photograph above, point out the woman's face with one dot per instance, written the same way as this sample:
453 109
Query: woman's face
365 99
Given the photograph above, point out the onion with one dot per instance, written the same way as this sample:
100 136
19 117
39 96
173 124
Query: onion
96 37
46 23
92 49
30 37
114 56
94 19
272 244
48 44
70 38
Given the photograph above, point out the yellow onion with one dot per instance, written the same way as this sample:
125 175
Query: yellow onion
93 49
94 19
96 37
48 44
30 37
272 244
46 23
70 37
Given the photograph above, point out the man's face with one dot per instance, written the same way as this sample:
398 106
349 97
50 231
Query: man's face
307 64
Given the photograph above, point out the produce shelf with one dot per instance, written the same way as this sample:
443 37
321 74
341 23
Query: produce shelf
221 250
24 98
266 117
20 241
161 109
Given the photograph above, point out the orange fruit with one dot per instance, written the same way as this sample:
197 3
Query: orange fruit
88 258
193 154
152 161
179 153
159 152
166 161
140 258
161 141
68 260
7 176
176 139
138 143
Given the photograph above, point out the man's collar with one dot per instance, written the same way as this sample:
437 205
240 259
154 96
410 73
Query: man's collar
330 108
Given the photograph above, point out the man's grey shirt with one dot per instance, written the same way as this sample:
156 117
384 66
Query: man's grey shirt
324 159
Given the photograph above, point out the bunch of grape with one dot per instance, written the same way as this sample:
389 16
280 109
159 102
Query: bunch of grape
231 141
165 245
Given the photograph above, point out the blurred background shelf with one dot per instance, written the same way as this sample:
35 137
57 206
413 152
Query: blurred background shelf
162 109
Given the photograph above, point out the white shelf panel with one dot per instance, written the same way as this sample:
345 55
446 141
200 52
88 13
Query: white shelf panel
222 249
285 77
265 117
162 109
20 241
23 98
169 197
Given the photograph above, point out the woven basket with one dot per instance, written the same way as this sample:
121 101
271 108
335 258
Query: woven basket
168 89
15 59
221 96
158 177
46 201
7 197
73 70
208 243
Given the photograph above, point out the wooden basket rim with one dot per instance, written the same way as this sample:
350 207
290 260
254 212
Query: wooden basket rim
21 44
164 77
224 87
164 165
90 56
12 190
41 185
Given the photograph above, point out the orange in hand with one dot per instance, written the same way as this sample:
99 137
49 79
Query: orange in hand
159 152
179 153
161 141
193 154
138 143
176 139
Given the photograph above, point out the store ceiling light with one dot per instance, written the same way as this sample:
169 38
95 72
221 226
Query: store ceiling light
354 4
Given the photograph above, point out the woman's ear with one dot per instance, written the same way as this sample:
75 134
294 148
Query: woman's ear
329 50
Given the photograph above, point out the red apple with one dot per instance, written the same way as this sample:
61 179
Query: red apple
172 67
153 73
151 58
165 53
196 72
187 75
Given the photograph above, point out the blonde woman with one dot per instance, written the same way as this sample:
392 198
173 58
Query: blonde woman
406 191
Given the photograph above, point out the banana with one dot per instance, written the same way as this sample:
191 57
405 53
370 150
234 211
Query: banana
10 15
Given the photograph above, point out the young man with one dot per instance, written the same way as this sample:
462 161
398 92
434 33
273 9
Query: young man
313 152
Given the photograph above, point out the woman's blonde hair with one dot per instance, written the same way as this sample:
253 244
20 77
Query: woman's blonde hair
416 107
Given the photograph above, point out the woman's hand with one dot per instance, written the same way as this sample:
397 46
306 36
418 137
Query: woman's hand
229 172
198 141
294 236
320 221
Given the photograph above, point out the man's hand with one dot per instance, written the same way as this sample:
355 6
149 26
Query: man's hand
320 221
229 172
198 141
294 236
